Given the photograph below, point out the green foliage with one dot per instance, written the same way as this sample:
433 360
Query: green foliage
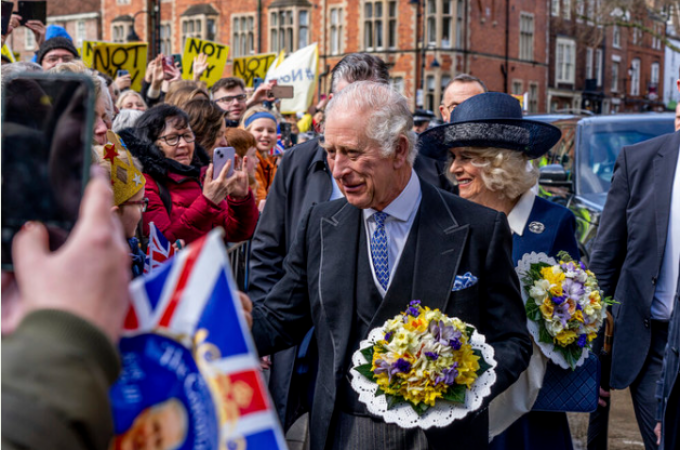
455 393
379 392
393 401
532 310
420 408
564 256
368 353
469 330
544 336
483 365
365 370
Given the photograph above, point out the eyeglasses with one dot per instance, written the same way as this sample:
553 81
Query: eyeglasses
173 139
231 98
143 203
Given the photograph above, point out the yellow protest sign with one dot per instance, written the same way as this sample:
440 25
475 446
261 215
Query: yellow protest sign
520 99
110 58
250 67
217 58
87 52
8 53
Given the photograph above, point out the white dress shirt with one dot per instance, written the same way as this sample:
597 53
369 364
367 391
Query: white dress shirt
401 213
336 193
519 216
667 284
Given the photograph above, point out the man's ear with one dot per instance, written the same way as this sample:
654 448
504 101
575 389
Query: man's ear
115 209
401 152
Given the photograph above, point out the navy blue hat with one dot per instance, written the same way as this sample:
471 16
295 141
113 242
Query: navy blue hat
491 119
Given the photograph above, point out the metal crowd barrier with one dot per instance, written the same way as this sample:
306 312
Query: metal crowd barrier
239 260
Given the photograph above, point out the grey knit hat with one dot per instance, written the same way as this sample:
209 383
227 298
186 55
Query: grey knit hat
55 43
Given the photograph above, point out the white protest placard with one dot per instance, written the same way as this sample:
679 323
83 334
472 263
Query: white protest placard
299 70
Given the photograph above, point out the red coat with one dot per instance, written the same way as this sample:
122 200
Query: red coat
193 215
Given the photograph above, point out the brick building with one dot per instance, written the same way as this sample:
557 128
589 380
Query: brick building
81 19
425 42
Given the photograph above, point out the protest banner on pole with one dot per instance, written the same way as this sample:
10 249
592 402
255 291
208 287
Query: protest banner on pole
110 58
250 67
300 70
277 62
217 58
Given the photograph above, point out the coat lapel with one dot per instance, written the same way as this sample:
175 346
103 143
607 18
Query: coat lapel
440 242
665 163
337 274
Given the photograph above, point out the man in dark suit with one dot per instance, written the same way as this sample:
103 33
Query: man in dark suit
332 280
302 180
635 260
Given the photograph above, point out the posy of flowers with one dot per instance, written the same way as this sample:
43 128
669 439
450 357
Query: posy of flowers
564 299
424 356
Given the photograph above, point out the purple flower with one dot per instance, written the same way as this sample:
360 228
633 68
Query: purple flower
388 336
581 341
579 307
583 266
414 302
382 366
433 356
572 289
400 366
445 334
448 376
413 311
562 313
558 300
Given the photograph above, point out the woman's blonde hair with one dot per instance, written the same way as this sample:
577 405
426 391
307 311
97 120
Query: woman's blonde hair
256 109
127 93
506 172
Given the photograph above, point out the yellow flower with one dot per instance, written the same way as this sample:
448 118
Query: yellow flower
468 365
555 276
547 308
566 337
578 315
591 336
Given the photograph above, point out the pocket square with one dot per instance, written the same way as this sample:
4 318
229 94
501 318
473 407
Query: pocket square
464 282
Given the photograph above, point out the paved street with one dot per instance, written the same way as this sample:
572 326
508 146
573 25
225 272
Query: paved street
623 429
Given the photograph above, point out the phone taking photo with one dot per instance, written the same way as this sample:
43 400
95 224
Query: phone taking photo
7 8
33 10
122 73
280 91
220 157
47 123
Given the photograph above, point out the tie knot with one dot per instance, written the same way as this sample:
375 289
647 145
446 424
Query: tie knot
380 218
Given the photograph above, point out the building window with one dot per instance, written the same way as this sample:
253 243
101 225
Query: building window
589 63
656 37
580 10
615 76
288 29
517 87
598 66
30 39
635 77
199 24
616 36
119 33
655 74
459 23
191 28
440 23
397 83
526 36
565 61
555 8
336 31
637 34
591 10
430 92
166 38
122 2
80 33
533 98
566 9
392 25
243 37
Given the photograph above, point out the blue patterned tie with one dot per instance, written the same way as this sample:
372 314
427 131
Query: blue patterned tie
379 250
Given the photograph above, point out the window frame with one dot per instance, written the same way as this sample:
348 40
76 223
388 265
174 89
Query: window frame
635 77
384 28
524 52
568 66
336 29
202 30
438 19
286 35
241 37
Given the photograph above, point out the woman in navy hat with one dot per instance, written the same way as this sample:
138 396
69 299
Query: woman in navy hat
488 146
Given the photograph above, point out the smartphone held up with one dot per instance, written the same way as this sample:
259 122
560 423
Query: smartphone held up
47 124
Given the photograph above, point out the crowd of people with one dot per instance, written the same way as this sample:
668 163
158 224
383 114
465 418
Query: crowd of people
454 198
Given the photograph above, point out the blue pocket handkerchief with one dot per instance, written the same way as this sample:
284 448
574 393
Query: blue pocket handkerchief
464 282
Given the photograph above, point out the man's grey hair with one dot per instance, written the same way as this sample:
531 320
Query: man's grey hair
18 67
465 78
126 118
387 114
359 67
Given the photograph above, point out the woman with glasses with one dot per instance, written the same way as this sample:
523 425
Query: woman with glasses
185 200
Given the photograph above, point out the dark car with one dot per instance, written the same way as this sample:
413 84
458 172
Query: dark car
577 171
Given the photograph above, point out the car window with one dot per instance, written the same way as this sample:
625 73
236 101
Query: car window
596 165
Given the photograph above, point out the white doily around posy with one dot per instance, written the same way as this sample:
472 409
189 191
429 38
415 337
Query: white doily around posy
444 412
523 267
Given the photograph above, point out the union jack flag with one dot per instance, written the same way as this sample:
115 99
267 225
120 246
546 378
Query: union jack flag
195 297
279 148
158 251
